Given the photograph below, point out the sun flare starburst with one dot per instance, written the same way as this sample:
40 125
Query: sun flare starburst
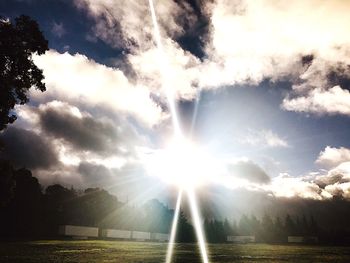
182 163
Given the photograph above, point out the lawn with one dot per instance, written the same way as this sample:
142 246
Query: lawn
138 252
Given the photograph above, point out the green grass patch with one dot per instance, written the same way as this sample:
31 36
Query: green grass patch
138 252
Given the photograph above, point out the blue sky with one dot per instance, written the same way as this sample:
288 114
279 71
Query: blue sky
75 24
260 101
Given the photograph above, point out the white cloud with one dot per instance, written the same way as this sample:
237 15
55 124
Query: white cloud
319 187
279 26
324 184
321 101
331 157
79 80
283 185
288 186
339 189
179 68
267 36
247 42
120 24
252 40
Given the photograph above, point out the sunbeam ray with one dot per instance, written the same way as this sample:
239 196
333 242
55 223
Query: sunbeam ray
170 249
169 92
195 112
164 70
197 224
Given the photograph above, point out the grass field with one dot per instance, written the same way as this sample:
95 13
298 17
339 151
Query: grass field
137 252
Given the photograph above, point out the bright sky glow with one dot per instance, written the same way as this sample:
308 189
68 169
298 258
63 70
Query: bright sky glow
183 164
130 59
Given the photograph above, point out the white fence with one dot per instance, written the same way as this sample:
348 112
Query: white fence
78 231
141 236
160 237
86 232
116 233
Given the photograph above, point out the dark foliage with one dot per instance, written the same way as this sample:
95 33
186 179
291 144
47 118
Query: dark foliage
22 215
269 230
185 231
18 73
7 182
29 212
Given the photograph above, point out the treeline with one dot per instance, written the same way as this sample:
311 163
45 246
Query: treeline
268 229
29 211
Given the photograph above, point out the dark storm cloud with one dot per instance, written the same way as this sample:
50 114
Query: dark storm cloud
339 75
27 149
84 133
128 182
94 173
197 32
331 179
307 60
249 171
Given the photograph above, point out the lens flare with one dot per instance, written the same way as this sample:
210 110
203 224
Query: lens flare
169 253
182 162
197 225
165 73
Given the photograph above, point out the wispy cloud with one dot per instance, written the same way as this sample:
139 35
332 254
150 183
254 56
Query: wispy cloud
58 29
263 138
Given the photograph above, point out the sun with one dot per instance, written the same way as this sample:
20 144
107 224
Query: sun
182 163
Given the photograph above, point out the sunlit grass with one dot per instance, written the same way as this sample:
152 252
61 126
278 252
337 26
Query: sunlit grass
138 252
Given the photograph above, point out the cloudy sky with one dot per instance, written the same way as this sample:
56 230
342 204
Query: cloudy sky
262 85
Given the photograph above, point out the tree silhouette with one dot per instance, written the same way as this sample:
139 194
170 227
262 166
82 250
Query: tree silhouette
56 203
18 73
267 228
31 213
313 226
7 182
227 227
25 210
279 230
254 224
244 226
289 225
185 231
